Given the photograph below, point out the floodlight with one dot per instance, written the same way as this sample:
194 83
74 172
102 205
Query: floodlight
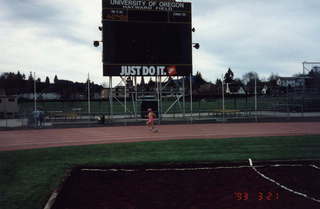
96 43
196 45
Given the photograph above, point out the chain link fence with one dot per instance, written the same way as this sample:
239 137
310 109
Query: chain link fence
288 107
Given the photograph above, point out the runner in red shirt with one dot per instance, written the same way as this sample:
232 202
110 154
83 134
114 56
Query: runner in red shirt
151 118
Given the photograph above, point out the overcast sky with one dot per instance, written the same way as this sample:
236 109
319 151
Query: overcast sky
54 37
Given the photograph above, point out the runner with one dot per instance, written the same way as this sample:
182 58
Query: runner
150 123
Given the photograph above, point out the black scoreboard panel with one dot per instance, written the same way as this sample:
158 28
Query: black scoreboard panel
146 16
142 40
147 43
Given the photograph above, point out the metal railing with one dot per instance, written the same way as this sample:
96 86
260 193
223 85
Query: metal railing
71 113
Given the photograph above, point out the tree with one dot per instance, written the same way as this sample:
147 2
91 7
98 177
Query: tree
19 76
13 83
30 78
273 79
314 74
55 79
249 80
198 81
218 82
250 76
272 84
151 83
142 83
206 90
218 87
47 81
228 77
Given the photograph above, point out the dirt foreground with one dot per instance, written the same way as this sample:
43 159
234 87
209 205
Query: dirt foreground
225 187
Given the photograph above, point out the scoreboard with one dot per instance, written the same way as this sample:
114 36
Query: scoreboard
147 11
146 38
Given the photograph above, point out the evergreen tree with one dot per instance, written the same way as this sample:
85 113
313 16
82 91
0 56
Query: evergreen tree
47 81
30 78
55 79
151 83
228 77
142 83
19 76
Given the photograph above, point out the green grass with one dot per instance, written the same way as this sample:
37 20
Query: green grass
27 178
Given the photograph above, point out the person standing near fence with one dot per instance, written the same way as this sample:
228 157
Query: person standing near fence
35 116
41 118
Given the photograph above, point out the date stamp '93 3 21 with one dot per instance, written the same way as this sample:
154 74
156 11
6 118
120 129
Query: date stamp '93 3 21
260 196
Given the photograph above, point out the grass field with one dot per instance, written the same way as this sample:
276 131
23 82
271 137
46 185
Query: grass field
27 178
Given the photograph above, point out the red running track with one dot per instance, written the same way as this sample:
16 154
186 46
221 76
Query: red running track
41 138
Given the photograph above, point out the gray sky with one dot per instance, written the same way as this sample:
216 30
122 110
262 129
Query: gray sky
52 37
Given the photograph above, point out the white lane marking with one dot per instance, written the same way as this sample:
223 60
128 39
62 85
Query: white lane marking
285 187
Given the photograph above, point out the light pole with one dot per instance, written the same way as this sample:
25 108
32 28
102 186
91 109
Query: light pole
35 113
89 109
222 81
196 46
35 91
255 96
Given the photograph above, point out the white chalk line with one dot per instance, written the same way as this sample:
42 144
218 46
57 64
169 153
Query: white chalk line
193 169
316 167
284 187
217 168
159 169
107 170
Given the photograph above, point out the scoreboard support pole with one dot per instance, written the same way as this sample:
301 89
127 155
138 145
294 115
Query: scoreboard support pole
191 108
160 94
111 97
184 96
222 79
125 95
158 98
135 98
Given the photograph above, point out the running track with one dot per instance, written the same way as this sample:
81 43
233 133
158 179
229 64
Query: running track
30 139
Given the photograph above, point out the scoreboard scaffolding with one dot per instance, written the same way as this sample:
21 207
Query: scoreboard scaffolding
146 38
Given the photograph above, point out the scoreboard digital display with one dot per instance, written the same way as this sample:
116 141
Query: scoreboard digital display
146 38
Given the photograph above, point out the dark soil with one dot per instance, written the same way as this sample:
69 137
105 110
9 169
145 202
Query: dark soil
224 188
